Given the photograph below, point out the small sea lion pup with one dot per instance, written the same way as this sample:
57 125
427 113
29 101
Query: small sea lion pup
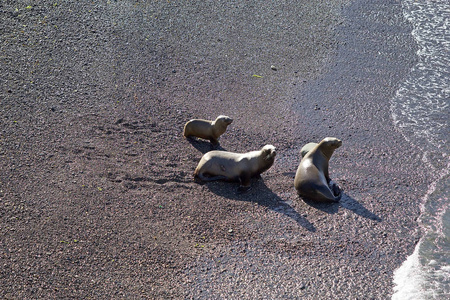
229 166
312 180
208 130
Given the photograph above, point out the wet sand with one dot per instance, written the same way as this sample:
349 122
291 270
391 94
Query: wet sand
97 193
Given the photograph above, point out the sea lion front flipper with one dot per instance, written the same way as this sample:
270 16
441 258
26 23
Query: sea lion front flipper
214 142
245 178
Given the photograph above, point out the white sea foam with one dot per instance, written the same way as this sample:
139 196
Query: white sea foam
421 277
420 109
408 278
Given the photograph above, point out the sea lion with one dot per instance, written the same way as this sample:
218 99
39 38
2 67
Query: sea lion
312 180
208 130
229 166
308 147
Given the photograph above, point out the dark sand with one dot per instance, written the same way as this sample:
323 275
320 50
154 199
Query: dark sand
97 196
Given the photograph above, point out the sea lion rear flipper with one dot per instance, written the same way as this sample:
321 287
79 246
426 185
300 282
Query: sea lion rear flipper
335 189
325 194
338 197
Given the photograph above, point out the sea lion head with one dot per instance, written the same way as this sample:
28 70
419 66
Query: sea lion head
332 142
224 119
328 145
269 152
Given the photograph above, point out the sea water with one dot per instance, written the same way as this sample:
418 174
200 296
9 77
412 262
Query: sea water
421 109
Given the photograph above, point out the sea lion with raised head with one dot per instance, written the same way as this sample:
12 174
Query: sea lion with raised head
229 166
312 180
208 130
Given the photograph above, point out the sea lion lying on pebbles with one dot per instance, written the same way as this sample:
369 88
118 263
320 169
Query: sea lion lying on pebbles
208 130
229 166
312 180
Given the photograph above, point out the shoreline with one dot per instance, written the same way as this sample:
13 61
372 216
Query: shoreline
422 275
97 189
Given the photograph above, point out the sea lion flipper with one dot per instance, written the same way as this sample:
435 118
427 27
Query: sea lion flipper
245 178
336 190
338 197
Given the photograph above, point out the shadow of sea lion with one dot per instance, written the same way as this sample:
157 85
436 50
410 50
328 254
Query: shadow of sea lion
346 202
203 146
261 194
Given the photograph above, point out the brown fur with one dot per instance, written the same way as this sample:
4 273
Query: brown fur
208 130
229 166
312 180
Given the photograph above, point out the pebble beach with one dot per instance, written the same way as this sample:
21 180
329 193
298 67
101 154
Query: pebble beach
96 188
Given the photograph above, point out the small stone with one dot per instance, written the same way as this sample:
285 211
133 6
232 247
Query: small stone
273 67
230 230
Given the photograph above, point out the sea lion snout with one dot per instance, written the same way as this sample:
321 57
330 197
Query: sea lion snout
270 150
225 119
332 141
